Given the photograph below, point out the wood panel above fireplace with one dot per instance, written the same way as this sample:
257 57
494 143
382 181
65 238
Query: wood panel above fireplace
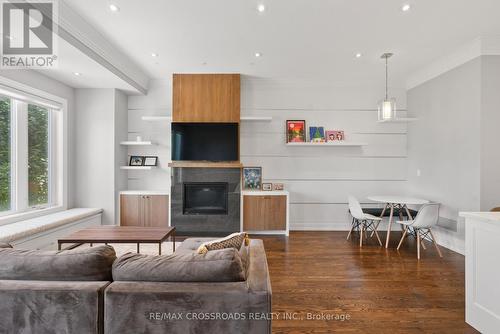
206 98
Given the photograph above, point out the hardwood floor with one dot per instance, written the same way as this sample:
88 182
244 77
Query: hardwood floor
381 290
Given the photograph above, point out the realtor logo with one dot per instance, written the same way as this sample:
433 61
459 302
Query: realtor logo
28 34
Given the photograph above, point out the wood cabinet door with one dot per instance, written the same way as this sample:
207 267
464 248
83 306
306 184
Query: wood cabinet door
264 213
156 211
206 98
131 210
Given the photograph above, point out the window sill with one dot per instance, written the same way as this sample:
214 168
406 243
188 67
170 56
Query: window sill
13 218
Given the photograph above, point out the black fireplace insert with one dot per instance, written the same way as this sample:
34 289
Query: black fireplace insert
205 198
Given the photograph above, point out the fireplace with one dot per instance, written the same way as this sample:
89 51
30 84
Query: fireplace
205 202
205 198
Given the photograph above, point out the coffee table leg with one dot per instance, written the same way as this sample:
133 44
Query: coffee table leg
137 248
58 246
173 239
159 248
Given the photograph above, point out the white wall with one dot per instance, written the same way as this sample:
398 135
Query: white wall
319 179
490 133
100 123
157 102
444 144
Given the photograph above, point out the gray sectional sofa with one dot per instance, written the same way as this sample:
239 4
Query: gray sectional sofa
88 290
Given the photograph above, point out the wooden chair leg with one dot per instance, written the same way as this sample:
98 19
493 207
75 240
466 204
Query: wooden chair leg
418 243
361 235
435 243
402 238
352 228
378 237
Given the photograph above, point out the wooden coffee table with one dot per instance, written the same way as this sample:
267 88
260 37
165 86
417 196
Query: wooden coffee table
120 234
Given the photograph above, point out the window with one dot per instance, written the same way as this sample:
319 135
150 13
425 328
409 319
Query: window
28 159
5 145
38 155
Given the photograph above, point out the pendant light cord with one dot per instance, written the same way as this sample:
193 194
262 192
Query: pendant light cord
386 79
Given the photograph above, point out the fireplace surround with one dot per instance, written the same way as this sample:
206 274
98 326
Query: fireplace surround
205 201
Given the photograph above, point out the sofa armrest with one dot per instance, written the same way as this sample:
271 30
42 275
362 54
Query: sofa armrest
51 306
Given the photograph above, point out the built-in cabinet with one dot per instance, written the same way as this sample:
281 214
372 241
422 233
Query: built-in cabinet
265 212
206 98
144 209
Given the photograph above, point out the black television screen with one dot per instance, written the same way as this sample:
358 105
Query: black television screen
205 141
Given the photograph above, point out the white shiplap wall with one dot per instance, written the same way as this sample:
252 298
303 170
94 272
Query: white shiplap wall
319 178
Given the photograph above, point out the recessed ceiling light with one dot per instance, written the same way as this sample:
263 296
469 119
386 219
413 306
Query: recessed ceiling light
406 8
77 74
154 54
114 8
358 55
258 54
261 8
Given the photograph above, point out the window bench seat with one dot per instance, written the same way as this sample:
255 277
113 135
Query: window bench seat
42 232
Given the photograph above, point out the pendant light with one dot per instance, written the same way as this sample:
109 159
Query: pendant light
387 107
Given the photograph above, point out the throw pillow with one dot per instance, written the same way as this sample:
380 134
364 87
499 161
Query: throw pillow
234 240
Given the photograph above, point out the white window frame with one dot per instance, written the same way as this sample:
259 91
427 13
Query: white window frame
58 149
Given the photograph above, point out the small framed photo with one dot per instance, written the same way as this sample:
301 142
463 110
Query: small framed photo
296 131
136 160
336 135
150 161
267 186
252 178
278 186
317 134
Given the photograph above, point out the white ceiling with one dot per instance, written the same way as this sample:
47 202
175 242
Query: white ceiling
299 39
93 75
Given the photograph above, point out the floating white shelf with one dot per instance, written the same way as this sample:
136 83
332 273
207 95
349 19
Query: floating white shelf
256 118
138 167
334 143
157 118
137 143
399 120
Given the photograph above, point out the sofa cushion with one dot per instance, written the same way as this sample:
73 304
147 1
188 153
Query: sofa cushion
5 245
234 240
223 265
81 264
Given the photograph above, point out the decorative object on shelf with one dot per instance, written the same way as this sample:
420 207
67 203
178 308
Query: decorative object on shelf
252 178
138 138
317 134
387 107
267 186
136 160
278 186
295 131
150 161
335 135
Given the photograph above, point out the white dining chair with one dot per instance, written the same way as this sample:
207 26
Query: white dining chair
362 221
427 217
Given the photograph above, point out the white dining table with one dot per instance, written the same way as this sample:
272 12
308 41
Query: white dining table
396 202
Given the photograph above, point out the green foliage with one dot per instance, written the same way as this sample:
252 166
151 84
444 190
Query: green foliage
38 155
4 154
38 159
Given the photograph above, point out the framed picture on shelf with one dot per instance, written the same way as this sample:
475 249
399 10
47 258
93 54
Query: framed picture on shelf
317 134
295 131
278 186
252 178
335 135
151 161
267 186
136 160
